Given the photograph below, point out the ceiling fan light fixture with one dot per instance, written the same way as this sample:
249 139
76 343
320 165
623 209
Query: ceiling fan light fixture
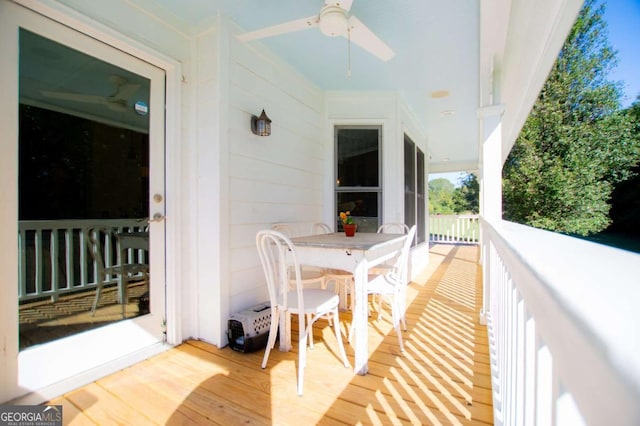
333 21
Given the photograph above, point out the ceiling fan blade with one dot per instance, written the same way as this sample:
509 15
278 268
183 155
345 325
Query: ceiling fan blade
287 27
75 97
118 105
365 38
125 92
344 4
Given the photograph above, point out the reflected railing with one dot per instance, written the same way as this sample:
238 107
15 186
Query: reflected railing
562 322
54 260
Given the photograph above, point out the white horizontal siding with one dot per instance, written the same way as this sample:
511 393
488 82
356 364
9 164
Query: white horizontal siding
270 179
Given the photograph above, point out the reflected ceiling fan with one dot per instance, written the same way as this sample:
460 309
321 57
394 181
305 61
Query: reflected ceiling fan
333 20
118 101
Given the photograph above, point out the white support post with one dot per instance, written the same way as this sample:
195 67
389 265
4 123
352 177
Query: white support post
490 120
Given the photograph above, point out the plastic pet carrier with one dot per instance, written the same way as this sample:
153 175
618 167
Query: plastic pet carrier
249 329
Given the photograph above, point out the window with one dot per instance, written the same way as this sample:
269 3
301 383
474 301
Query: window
358 179
414 188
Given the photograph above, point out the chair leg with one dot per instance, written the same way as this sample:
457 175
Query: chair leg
124 293
336 327
97 299
303 333
396 315
376 303
400 297
341 290
310 336
352 292
273 331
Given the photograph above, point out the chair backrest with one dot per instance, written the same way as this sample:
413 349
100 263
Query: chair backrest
96 238
401 264
283 228
393 228
321 228
278 259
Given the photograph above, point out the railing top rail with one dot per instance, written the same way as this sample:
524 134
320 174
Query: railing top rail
461 216
78 223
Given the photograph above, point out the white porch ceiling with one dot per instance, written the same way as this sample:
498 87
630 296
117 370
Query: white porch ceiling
475 52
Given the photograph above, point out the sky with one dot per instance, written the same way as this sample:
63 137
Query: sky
623 21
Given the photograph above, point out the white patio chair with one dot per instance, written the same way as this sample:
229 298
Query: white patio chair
311 275
393 228
383 268
344 284
388 228
391 287
98 237
278 258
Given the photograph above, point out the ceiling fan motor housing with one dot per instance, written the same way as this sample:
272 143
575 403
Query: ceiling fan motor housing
333 21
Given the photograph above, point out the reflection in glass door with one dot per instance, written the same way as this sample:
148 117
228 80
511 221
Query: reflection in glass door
83 182
83 149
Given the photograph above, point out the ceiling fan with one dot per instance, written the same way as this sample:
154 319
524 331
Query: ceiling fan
116 102
333 20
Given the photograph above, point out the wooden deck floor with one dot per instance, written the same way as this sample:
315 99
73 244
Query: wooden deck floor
442 377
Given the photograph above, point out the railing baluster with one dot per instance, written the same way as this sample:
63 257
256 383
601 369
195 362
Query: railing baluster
530 372
544 386
68 257
22 269
82 250
38 261
53 255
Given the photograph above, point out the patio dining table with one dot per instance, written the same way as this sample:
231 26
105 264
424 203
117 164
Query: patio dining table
354 254
135 240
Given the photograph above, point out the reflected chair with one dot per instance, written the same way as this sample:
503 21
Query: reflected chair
280 265
391 287
97 239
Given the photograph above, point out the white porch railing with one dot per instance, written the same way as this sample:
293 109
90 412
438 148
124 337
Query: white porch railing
54 259
454 228
563 327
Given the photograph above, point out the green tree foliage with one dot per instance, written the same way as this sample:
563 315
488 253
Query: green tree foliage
466 197
441 196
576 144
445 198
625 200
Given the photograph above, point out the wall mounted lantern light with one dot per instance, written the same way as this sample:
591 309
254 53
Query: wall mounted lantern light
261 126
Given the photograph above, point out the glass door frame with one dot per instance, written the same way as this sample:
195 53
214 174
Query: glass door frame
12 379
